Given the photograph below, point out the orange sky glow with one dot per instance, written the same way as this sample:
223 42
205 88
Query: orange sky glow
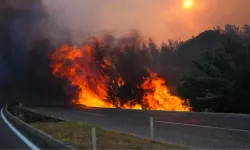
159 19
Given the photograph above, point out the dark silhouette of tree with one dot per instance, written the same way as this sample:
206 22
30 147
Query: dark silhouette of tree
154 53
193 48
218 78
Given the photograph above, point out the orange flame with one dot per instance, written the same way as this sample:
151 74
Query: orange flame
77 65
159 97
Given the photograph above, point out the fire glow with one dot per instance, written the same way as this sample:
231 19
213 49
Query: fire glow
79 66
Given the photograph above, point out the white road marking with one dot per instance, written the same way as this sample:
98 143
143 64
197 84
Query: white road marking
23 138
201 126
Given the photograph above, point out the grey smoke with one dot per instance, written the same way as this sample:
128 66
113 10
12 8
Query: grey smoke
160 19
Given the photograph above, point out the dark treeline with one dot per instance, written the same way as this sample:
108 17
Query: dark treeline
212 70
218 79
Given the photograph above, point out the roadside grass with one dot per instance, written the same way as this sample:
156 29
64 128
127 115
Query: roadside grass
79 136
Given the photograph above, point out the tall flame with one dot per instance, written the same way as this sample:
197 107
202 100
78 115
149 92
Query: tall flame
159 97
78 66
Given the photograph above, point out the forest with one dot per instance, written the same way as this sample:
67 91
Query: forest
210 70
218 78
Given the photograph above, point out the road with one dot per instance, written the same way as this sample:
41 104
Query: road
195 130
8 139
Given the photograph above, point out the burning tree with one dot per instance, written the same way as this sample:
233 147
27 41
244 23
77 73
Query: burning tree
117 76
116 73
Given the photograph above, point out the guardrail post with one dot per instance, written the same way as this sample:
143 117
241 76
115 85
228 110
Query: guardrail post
93 138
151 127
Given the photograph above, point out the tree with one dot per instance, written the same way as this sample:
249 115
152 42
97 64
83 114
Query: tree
169 55
218 78
193 48
154 53
231 29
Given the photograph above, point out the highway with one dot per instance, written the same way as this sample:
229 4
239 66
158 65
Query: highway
8 139
195 130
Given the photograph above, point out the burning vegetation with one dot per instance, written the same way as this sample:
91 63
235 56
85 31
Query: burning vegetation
114 75
111 73
119 72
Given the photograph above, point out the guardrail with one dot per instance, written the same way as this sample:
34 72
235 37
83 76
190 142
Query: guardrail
93 130
36 133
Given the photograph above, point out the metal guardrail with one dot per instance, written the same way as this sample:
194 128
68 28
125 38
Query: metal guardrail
40 135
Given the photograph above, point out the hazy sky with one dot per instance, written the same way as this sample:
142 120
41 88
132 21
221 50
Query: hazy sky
160 19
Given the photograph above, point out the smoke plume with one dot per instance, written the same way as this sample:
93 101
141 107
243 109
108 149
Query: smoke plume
159 19
25 28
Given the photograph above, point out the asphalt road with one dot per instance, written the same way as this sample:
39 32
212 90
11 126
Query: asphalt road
195 130
8 139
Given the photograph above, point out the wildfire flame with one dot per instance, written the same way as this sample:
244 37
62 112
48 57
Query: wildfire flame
159 97
78 66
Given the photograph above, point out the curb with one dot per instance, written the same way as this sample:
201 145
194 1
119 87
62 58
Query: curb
38 134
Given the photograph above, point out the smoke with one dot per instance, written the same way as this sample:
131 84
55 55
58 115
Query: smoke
159 19
19 22
24 26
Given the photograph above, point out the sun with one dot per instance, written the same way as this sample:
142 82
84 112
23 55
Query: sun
188 3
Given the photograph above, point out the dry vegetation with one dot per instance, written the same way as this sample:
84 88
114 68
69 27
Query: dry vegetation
79 136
